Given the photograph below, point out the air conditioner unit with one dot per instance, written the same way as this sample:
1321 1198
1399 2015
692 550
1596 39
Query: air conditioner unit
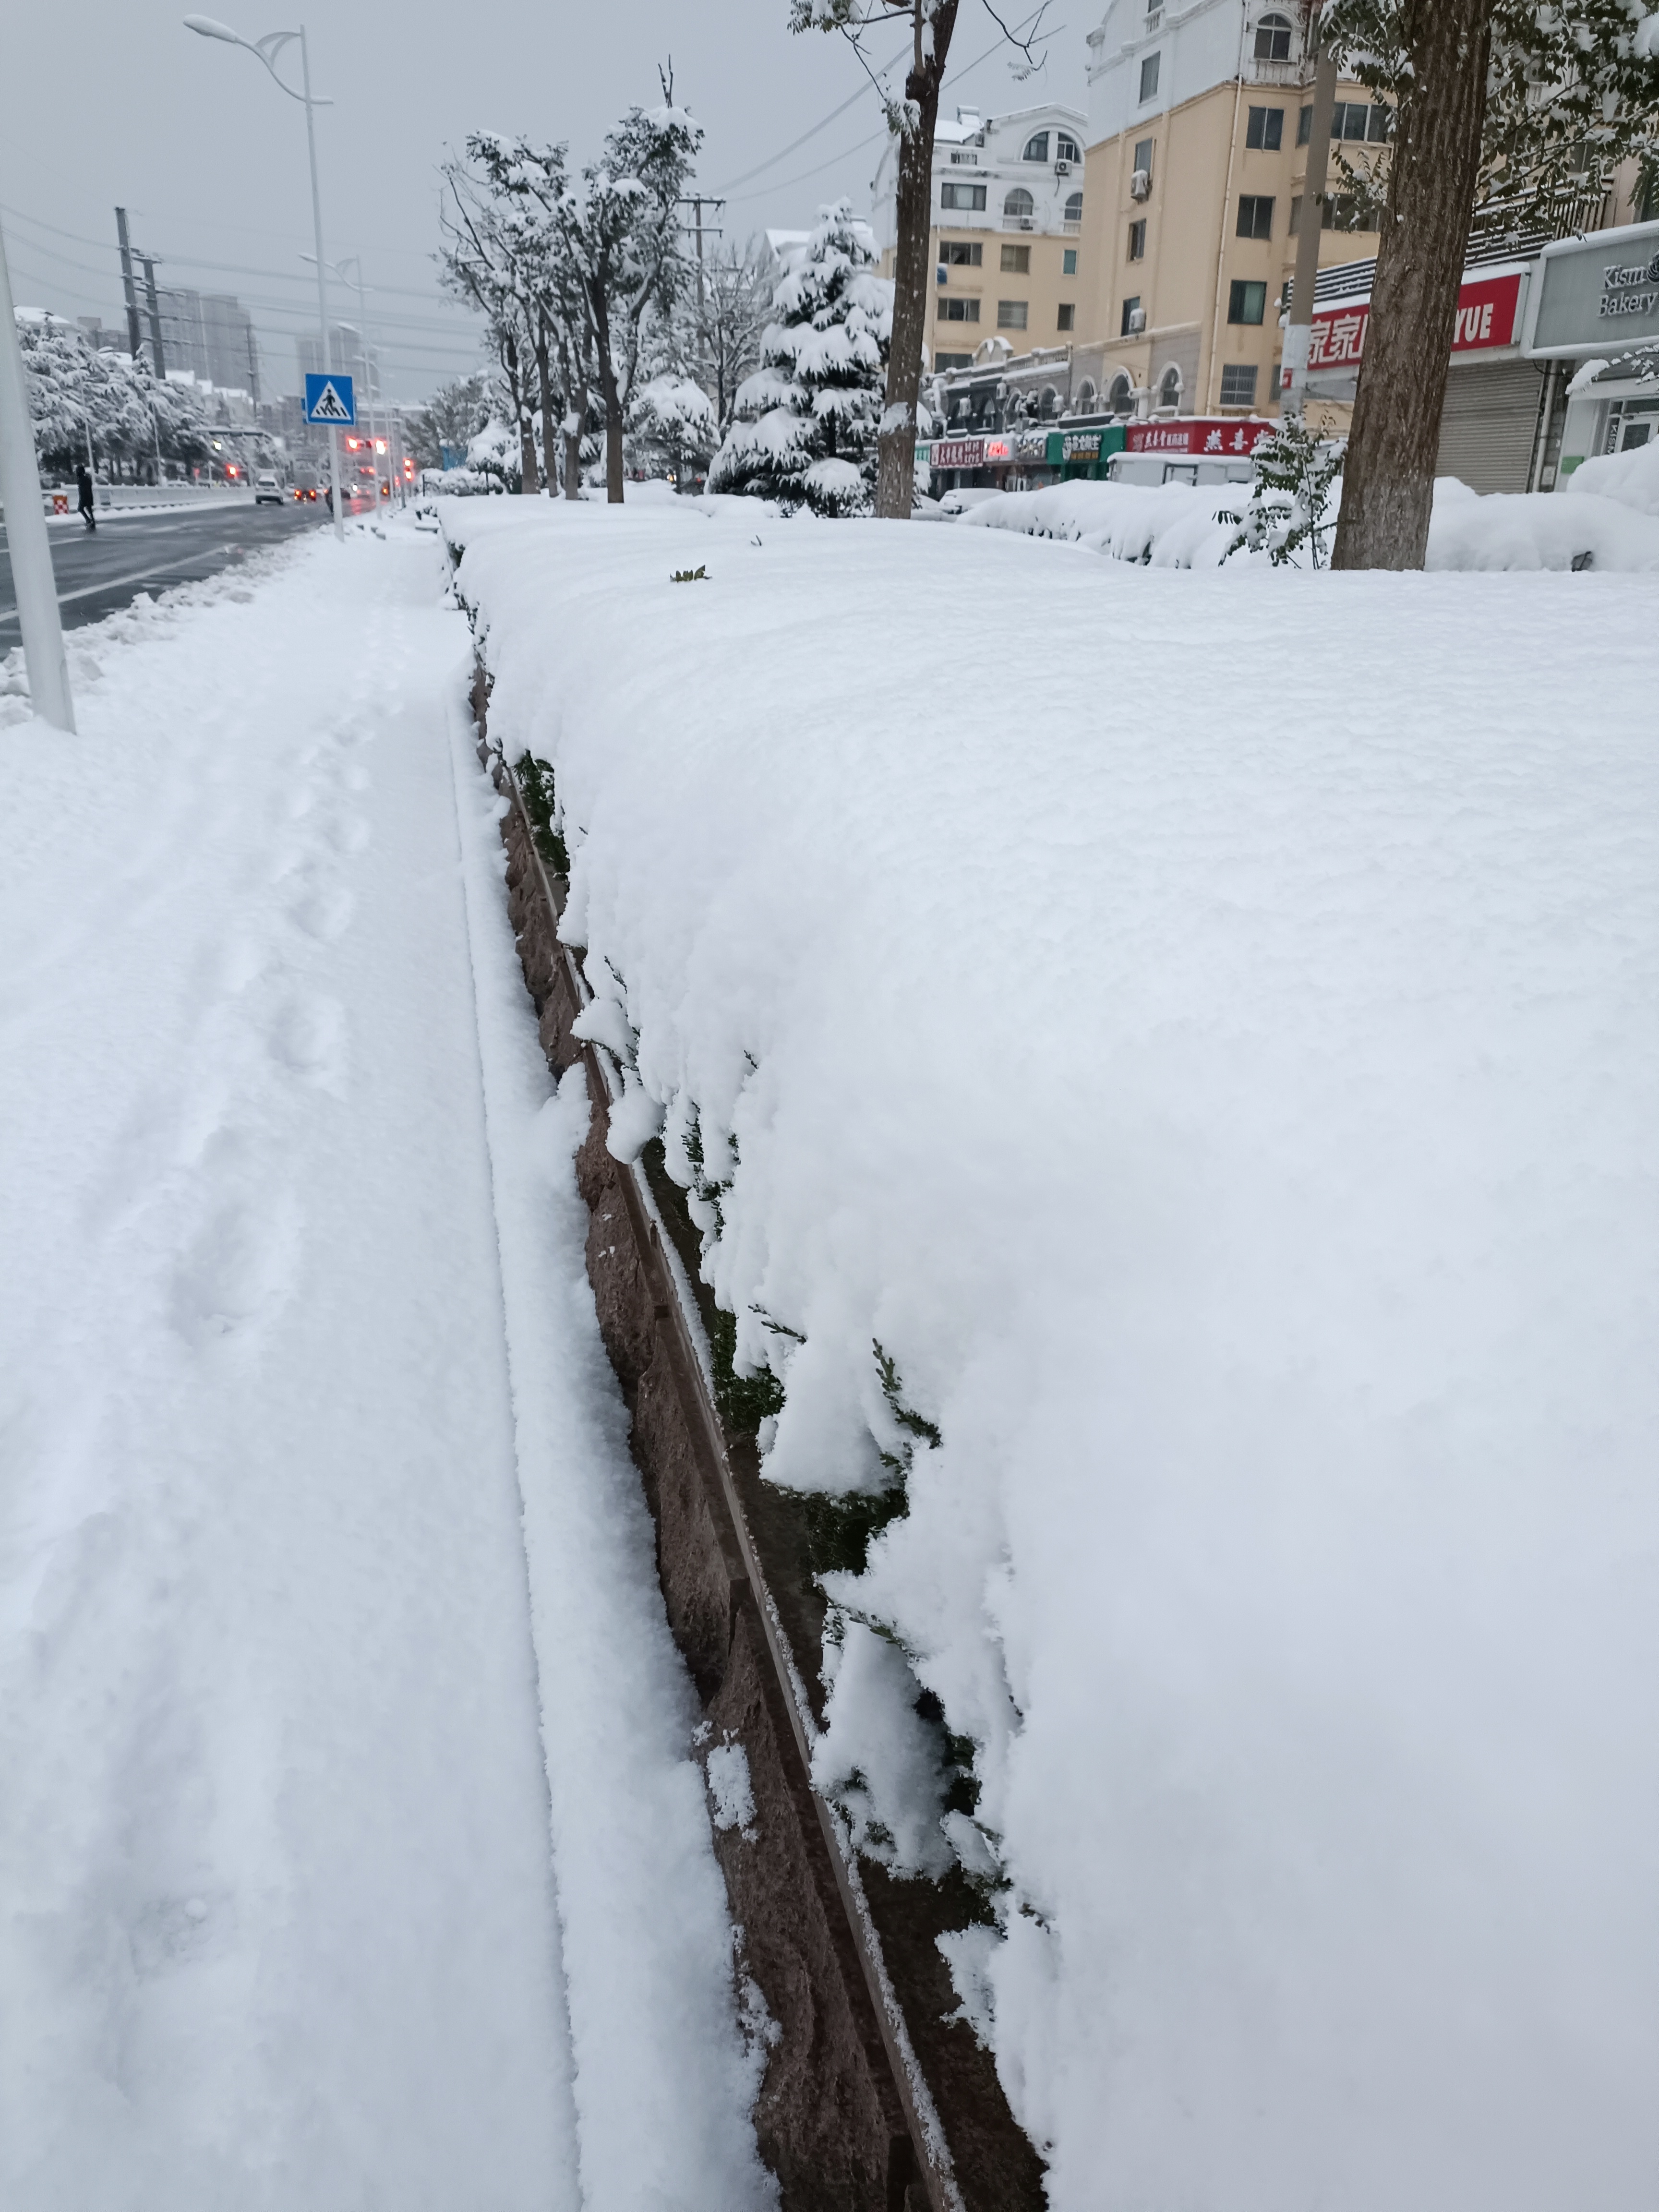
1028 222
1062 168
1137 321
1140 185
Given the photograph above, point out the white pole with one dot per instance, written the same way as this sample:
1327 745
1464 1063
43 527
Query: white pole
26 544
322 278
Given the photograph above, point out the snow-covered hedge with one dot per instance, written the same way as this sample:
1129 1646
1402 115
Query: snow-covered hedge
1168 1063
1192 526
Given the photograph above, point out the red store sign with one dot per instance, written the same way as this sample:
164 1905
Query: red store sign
1488 309
970 453
1198 434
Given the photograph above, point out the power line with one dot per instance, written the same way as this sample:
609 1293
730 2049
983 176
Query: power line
851 101
253 299
224 268
783 183
863 91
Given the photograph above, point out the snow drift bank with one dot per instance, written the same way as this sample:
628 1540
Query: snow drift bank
1191 527
1183 1087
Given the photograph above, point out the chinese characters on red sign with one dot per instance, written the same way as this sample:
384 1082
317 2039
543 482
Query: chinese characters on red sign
1197 435
1488 309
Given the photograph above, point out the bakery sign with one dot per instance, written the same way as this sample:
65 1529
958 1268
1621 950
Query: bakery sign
1596 294
1487 309
1630 288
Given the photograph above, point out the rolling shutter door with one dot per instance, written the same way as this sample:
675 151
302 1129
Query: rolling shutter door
1488 423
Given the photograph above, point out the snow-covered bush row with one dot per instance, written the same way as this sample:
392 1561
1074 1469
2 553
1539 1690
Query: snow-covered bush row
1168 1068
1192 526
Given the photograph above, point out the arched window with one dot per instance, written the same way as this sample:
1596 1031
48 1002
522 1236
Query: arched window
1074 207
1050 406
1273 38
1066 148
1019 205
1122 397
1168 387
1036 148
1086 396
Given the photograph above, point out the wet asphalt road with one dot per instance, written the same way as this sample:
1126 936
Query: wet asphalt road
100 571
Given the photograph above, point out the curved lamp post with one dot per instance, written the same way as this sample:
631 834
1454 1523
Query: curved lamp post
267 50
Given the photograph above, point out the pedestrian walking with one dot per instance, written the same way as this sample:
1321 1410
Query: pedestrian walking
87 512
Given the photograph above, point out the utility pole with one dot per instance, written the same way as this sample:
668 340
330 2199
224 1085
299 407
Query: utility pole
696 201
26 544
134 343
154 306
1298 332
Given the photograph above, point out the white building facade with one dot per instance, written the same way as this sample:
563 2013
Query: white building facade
1008 216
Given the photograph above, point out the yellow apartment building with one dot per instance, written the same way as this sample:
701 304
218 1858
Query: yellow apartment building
1198 133
1008 217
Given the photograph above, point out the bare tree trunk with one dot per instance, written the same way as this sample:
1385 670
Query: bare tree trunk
895 473
1388 486
528 480
613 436
613 425
544 373
577 397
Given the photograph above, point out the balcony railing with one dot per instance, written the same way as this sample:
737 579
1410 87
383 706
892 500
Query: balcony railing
1072 229
1287 73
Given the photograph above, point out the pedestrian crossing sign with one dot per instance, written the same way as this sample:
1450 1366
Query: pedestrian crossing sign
331 400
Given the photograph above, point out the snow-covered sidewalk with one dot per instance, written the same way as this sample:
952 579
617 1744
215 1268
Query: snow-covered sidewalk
351 1850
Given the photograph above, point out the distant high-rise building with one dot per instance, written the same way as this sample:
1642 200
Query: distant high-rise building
212 335
103 337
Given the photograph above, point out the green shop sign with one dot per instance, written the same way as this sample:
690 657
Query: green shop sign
1096 445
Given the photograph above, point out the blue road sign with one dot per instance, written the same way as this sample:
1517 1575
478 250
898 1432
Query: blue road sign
331 401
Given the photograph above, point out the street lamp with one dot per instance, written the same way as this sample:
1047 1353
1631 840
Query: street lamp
267 49
32 578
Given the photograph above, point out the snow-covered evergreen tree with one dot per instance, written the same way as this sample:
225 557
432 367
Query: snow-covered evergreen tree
102 406
809 417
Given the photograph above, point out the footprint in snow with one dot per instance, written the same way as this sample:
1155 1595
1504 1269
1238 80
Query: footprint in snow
323 914
239 1268
308 1037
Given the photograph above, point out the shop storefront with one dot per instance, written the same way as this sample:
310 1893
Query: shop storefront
1192 449
1489 424
1596 299
956 464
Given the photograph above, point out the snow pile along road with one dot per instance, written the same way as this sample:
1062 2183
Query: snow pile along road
1168 1063
1176 525
326 1582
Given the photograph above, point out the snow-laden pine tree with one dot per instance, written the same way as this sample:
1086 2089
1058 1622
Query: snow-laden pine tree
808 418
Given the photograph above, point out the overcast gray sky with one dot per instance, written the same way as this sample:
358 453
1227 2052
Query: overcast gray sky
108 101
